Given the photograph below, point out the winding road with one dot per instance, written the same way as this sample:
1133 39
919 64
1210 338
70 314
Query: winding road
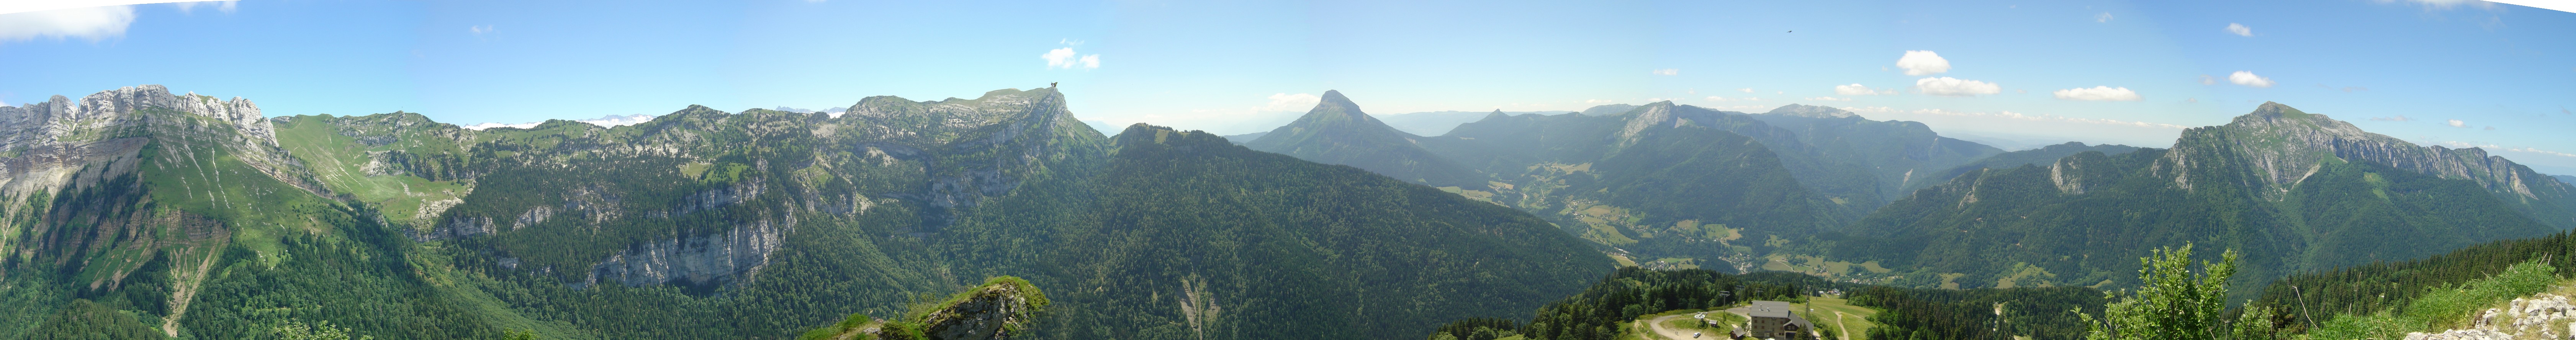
1657 324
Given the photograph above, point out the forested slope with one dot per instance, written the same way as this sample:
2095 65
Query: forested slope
2294 191
1659 181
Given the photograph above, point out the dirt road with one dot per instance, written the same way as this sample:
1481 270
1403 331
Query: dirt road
1657 324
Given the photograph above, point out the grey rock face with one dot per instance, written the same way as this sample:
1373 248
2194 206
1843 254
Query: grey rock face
694 258
60 132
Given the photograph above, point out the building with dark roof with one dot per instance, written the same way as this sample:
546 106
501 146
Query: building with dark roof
1776 320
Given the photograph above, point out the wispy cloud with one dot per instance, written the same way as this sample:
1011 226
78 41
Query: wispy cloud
91 23
2239 29
2104 17
1857 89
2248 78
1918 63
2099 93
2457 123
2447 4
2011 115
1292 102
1955 87
479 29
226 6
1746 90
1667 72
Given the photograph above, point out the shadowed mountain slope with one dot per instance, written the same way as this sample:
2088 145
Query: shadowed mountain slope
1336 132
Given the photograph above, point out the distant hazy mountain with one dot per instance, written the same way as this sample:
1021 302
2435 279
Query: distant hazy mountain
2294 191
829 110
1103 126
2008 160
1246 138
606 121
2565 178
1659 181
1337 132
1605 110
1436 123
1863 163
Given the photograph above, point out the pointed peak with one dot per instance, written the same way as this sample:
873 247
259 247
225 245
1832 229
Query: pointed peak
1335 96
2274 109
1498 113
1334 104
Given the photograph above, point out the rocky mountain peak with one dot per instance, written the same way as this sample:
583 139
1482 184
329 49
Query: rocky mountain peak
1649 116
62 120
1811 111
2282 146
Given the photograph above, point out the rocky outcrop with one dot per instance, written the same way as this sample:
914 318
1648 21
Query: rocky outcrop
996 310
696 259
2546 316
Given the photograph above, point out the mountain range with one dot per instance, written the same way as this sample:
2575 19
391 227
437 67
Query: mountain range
203 219
141 213
1824 191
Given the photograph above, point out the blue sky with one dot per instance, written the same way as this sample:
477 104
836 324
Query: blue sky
1243 66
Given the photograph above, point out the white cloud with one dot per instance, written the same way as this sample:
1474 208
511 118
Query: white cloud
1947 86
2239 29
2248 78
1059 58
479 30
1669 71
1830 99
2457 123
2447 4
93 23
2104 17
2397 118
2539 151
1064 58
1595 101
2208 80
220 6
2010 115
1860 90
2100 93
1918 63
2458 144
1746 90
1292 102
